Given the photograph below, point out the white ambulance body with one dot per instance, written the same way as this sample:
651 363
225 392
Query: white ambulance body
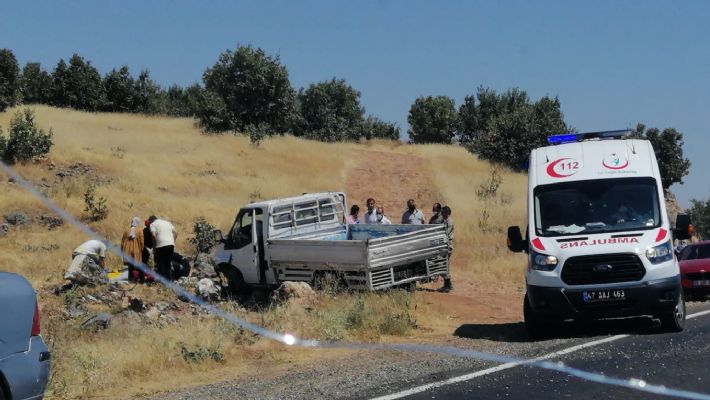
599 239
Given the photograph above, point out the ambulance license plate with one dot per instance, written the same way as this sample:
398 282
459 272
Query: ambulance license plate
601 296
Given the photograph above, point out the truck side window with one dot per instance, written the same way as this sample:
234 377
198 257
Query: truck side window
240 235
306 213
281 217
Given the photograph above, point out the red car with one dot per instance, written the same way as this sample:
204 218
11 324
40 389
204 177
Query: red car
695 270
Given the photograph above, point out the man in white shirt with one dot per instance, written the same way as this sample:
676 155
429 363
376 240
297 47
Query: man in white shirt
412 216
370 216
164 235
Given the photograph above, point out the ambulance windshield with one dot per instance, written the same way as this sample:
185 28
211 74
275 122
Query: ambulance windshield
596 206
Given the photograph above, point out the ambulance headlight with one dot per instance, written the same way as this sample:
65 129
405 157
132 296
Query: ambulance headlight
660 253
543 262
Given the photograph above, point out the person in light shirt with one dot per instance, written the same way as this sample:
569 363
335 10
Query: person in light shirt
381 218
370 216
412 216
164 236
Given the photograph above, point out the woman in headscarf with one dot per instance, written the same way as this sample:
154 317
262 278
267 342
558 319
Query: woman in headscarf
132 245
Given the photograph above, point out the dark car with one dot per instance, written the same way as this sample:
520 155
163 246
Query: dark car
24 358
695 270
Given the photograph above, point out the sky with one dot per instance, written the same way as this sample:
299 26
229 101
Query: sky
611 63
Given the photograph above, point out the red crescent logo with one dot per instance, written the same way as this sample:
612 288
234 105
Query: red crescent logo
622 166
551 169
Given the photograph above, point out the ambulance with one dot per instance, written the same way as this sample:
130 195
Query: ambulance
599 242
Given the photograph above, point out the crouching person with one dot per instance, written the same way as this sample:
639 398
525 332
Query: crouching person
87 266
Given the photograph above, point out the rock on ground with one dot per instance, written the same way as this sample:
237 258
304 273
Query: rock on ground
295 290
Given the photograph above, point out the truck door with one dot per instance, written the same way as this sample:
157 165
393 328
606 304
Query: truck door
243 246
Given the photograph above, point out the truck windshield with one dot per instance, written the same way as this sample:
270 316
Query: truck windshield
596 206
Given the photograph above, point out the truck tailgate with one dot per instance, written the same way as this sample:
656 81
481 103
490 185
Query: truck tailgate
409 247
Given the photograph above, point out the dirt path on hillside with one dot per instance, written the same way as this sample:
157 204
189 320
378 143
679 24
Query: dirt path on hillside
392 178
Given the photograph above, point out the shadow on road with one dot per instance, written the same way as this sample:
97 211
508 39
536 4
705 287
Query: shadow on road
515 332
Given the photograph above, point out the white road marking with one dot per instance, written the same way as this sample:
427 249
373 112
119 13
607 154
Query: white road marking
502 367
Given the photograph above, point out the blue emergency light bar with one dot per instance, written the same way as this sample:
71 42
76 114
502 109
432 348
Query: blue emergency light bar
578 137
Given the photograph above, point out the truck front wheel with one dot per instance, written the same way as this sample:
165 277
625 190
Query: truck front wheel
673 320
235 284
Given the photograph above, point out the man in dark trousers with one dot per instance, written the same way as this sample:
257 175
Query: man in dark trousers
449 224
164 235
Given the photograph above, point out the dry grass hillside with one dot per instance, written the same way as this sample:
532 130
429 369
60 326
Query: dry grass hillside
164 166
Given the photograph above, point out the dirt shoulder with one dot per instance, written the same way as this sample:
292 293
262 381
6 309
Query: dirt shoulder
391 178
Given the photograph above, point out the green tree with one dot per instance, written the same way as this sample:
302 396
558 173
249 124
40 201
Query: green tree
9 79
120 90
146 94
78 85
375 128
36 84
26 141
433 120
60 85
212 114
330 111
180 102
668 146
504 128
700 217
254 89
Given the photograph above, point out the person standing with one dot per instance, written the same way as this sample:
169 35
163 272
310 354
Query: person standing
148 243
132 245
436 217
353 218
381 219
412 216
449 226
164 235
370 216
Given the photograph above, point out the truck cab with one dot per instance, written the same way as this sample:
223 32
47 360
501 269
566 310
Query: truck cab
245 244
599 241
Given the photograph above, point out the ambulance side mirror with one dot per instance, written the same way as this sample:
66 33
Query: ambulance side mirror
217 236
683 228
516 243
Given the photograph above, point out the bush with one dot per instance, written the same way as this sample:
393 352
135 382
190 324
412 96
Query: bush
198 353
96 208
26 141
17 218
204 236
257 133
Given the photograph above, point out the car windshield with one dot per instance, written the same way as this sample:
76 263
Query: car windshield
696 252
596 206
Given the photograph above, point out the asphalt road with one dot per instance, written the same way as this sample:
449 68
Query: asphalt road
629 348
677 360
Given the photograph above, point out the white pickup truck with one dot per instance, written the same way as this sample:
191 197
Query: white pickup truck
299 238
